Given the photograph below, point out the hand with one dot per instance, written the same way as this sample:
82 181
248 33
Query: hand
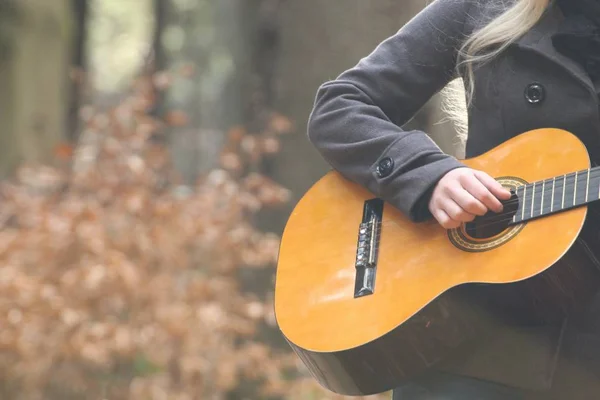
464 193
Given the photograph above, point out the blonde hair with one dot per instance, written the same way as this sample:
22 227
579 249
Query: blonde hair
482 46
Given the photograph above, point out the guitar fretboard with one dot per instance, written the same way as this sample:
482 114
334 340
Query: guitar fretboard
557 194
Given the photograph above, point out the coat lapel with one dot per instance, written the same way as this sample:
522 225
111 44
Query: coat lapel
539 40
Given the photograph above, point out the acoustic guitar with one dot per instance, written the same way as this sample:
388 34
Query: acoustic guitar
368 299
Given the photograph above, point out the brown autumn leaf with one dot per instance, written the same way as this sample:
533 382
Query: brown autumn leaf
236 134
280 124
271 145
126 282
63 151
187 70
162 80
231 161
176 118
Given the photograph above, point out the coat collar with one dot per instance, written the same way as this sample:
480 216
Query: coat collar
539 40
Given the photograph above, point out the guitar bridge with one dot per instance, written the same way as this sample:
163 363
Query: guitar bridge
367 248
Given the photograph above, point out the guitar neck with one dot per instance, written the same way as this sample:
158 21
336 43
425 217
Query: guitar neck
560 193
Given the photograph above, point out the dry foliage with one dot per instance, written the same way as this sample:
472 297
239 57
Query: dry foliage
117 282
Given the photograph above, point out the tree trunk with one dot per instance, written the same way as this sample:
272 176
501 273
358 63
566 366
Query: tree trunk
78 64
209 36
157 61
34 84
161 10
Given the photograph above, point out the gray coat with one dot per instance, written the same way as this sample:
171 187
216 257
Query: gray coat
357 119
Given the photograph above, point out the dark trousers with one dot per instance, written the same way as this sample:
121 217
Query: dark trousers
577 378
444 386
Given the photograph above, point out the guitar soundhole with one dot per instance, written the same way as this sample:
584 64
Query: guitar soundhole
492 230
492 224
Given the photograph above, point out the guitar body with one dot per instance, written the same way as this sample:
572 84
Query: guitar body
418 313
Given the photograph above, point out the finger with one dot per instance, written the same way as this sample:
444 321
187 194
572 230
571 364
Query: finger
467 200
493 185
444 219
456 212
481 193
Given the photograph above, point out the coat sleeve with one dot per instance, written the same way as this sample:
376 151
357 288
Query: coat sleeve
356 120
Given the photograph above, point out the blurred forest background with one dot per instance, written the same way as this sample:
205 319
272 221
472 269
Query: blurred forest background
151 151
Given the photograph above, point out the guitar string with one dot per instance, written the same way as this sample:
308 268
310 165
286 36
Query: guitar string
508 216
559 182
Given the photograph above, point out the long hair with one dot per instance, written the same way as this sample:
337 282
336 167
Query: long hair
482 46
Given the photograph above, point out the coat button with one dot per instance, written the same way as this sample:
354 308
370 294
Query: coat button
535 93
385 167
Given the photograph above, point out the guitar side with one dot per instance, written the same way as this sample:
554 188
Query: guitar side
415 316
